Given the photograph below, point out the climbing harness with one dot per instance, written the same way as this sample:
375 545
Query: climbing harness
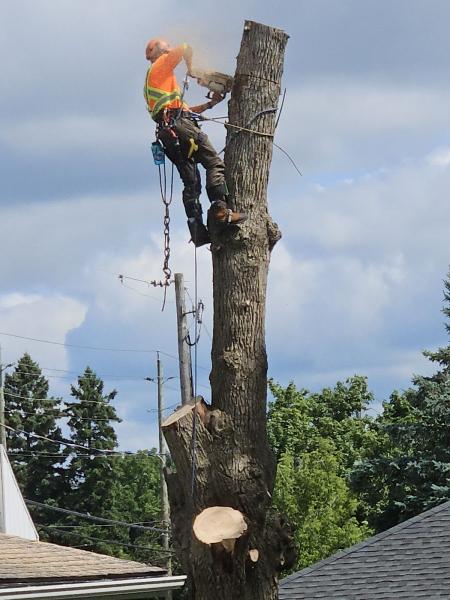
193 147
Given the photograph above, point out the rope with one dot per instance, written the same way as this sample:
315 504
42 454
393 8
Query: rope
194 421
255 131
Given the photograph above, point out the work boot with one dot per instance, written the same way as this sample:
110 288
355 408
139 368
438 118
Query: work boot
198 231
220 212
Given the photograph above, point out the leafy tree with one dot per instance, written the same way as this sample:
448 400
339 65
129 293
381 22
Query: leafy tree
298 420
136 499
317 438
318 504
410 470
31 412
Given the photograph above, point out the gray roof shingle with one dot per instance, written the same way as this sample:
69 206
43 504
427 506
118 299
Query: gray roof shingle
26 561
411 560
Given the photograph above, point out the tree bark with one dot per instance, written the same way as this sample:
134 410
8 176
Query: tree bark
234 465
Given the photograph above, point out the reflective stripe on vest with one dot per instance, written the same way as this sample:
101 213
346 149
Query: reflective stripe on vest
156 98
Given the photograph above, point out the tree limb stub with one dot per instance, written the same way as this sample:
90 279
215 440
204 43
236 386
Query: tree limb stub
218 524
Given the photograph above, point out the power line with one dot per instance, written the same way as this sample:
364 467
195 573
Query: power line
101 348
66 511
127 377
60 416
84 377
90 537
94 375
60 442
33 399
124 454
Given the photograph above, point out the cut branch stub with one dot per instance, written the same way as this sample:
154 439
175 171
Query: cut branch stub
219 524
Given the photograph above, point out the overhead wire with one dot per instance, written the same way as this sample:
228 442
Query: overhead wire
114 542
57 399
67 443
58 416
89 517
125 454
83 347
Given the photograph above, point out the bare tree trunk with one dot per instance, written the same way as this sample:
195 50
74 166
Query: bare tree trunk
234 464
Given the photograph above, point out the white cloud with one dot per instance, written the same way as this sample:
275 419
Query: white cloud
346 126
49 317
440 158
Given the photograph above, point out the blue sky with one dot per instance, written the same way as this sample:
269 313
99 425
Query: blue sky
356 283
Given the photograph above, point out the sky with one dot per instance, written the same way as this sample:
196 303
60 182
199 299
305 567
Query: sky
355 285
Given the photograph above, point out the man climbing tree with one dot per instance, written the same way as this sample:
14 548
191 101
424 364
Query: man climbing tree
231 543
183 141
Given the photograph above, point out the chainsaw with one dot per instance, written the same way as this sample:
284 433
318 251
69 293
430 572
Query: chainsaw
219 83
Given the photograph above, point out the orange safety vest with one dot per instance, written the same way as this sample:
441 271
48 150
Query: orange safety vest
161 89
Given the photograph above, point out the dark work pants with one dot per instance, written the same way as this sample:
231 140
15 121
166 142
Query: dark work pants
177 150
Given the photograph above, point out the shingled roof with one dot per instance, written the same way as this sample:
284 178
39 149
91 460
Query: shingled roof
28 562
411 560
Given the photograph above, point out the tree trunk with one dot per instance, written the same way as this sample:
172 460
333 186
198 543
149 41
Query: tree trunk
234 466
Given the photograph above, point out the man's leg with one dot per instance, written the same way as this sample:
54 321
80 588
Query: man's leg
216 186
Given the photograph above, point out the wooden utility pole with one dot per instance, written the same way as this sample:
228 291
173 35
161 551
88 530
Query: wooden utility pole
230 542
2 406
165 513
184 356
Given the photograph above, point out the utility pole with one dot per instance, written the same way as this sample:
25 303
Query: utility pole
184 356
165 514
2 406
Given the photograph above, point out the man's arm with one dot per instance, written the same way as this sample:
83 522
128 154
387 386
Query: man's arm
216 98
172 58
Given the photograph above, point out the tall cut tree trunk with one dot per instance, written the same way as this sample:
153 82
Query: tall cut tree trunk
234 466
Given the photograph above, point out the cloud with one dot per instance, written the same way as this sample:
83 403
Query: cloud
440 158
350 126
52 242
40 316
355 284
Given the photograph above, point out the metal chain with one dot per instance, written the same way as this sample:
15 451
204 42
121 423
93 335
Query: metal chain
167 202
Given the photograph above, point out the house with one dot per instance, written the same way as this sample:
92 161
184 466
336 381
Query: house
30 569
408 561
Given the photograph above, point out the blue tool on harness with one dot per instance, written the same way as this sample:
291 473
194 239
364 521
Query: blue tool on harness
158 153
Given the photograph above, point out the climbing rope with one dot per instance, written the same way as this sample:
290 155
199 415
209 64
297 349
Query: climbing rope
198 317
254 131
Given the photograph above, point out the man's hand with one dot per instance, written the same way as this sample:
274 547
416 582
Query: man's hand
216 98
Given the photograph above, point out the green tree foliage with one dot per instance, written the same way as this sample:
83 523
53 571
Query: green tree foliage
298 420
317 438
409 471
136 499
318 503
30 412
90 472
118 487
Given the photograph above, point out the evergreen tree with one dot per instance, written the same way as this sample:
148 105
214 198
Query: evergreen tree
30 412
410 470
91 418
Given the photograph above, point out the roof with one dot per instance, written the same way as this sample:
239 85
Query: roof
410 560
30 562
